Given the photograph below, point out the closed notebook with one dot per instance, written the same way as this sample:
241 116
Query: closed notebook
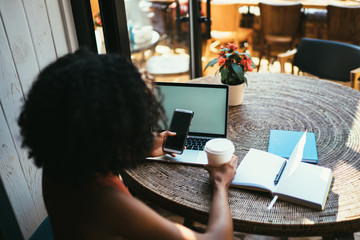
282 143
301 183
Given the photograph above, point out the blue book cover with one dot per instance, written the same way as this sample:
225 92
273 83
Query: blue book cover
282 143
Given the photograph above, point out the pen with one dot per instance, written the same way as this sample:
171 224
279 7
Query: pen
272 202
277 178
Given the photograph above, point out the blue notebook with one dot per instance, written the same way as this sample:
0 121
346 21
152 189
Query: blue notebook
282 143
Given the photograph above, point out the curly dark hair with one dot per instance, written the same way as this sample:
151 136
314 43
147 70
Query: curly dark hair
87 114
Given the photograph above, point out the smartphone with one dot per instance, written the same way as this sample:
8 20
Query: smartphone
180 123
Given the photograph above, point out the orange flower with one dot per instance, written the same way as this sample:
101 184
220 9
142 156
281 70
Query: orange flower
221 61
232 47
97 20
232 64
246 62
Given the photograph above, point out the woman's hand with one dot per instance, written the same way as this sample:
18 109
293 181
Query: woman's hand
220 224
158 143
223 174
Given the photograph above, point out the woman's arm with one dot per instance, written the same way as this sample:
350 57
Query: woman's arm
134 220
220 225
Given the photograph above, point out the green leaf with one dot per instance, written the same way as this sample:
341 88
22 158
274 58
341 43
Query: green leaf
253 64
228 55
248 55
211 63
238 71
224 74
233 80
222 67
245 80
244 53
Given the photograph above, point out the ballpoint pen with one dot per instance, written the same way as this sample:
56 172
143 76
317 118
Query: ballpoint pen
277 178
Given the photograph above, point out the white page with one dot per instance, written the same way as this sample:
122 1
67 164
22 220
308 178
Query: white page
309 183
295 159
258 170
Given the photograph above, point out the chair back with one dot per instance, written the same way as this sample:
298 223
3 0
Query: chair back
327 59
225 17
280 19
225 26
344 23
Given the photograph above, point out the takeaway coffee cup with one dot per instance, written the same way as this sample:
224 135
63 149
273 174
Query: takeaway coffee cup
219 151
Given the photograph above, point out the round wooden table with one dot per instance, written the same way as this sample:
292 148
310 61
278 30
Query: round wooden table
273 101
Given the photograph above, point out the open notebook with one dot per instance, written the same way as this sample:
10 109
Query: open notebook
210 105
291 180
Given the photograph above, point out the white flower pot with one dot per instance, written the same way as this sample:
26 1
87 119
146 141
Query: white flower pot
236 94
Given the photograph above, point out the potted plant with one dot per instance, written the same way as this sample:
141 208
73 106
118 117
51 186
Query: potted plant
99 34
232 67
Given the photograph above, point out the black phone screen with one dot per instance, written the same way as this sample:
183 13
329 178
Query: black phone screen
180 124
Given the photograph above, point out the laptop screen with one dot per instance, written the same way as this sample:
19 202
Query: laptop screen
208 101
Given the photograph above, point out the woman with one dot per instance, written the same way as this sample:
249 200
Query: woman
86 117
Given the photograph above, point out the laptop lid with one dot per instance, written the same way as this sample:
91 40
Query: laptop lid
210 105
208 101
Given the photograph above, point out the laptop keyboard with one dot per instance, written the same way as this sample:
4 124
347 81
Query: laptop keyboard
194 143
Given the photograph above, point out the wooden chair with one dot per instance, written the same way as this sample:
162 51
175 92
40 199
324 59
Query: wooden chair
225 27
344 23
281 27
326 59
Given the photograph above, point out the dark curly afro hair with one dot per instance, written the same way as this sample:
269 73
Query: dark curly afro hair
87 114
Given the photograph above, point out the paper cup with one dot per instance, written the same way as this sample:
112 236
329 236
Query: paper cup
219 151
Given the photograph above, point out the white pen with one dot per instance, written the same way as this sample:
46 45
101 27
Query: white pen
277 178
272 202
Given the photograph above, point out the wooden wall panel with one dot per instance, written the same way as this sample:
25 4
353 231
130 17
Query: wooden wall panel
15 185
33 33
68 22
26 55
17 31
17 173
62 26
58 29
41 35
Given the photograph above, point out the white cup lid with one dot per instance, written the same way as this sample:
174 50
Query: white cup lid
219 146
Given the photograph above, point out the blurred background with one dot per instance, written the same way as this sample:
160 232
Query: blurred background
162 43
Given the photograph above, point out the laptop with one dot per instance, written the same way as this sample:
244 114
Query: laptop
210 105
